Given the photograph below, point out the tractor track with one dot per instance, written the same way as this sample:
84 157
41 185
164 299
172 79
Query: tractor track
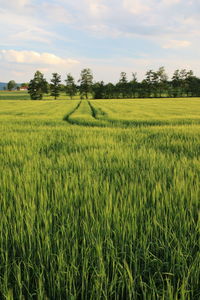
112 123
93 111
67 117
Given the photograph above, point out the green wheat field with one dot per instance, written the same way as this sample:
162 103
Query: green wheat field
99 199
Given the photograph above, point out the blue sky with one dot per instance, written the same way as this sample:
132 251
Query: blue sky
108 36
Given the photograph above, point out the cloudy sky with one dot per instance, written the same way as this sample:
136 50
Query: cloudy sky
108 36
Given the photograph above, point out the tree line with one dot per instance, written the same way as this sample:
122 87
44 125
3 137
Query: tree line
156 84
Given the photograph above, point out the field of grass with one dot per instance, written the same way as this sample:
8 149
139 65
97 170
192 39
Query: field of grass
149 111
100 199
23 95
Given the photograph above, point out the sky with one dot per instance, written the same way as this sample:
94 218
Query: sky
107 36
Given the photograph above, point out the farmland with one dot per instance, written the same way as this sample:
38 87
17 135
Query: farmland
23 95
100 199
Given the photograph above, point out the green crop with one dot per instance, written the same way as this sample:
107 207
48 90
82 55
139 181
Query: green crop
100 199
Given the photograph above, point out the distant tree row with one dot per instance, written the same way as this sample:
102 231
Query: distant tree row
39 85
156 84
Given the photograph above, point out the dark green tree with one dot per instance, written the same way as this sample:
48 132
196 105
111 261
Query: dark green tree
155 84
144 89
11 85
98 90
162 82
133 86
55 85
184 76
149 81
123 85
193 86
110 91
176 83
86 81
183 83
70 87
38 86
190 78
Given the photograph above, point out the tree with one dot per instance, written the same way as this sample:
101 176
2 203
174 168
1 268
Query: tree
148 82
183 83
176 83
133 85
86 81
155 83
162 81
189 78
70 87
123 85
110 91
38 86
144 89
11 85
98 90
55 86
193 86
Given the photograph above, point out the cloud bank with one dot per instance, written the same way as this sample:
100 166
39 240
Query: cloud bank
35 58
94 32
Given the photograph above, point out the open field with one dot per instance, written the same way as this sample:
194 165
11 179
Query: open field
149 111
100 199
23 95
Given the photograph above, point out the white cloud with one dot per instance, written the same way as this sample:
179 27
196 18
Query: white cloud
136 6
22 28
20 2
56 13
170 2
175 44
97 8
32 57
32 34
14 3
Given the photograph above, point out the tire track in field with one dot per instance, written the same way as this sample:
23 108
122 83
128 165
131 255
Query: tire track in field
134 123
109 122
67 117
79 122
94 114
93 111
98 122
93 122
101 123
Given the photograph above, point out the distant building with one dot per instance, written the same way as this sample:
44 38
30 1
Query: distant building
23 88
